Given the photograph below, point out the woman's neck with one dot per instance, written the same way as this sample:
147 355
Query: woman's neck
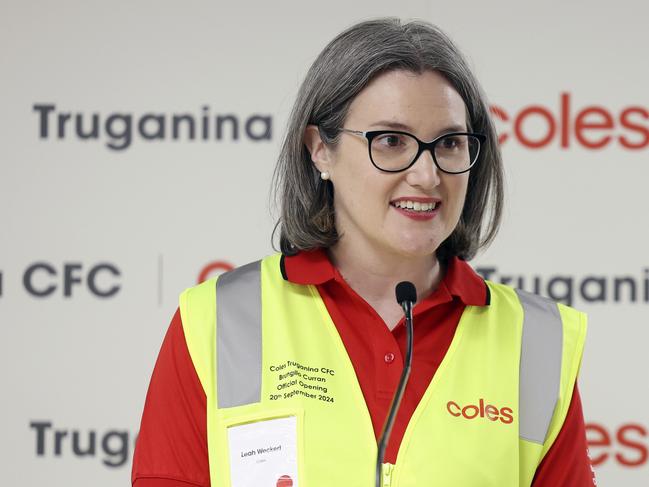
373 276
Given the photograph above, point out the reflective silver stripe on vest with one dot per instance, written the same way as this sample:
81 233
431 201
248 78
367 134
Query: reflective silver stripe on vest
540 367
238 336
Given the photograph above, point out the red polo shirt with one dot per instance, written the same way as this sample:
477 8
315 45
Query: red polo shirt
171 449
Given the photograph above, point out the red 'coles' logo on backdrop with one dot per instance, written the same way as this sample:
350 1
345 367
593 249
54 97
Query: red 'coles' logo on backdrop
481 410
565 126
626 445
214 268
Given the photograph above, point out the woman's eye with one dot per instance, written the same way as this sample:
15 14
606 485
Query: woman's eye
452 142
391 140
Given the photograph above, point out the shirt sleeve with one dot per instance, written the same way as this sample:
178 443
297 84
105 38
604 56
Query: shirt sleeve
171 448
567 463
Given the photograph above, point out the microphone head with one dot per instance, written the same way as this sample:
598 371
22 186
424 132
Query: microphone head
405 291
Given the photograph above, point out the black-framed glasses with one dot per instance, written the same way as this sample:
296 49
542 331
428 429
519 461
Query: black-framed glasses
396 151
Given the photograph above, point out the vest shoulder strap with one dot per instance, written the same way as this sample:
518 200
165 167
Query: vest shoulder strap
552 340
540 365
238 336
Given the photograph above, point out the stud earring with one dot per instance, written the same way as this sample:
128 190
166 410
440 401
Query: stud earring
324 175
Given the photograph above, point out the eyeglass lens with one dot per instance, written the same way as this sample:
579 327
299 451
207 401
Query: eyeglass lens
453 153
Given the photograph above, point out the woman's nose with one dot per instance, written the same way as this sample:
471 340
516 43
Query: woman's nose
424 172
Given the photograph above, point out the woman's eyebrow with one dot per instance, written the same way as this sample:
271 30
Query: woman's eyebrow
392 124
453 128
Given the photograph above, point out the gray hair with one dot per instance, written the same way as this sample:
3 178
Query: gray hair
345 66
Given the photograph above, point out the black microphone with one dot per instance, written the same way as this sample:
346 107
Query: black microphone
406 297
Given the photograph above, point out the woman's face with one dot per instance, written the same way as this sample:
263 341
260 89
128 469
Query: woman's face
367 201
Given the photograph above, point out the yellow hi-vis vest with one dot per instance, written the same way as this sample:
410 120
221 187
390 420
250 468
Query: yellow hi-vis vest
266 348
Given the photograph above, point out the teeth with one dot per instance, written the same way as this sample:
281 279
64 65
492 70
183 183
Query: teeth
415 205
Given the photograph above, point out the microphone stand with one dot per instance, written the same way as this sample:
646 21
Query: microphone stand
396 400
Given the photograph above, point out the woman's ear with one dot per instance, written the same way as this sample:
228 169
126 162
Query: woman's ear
320 153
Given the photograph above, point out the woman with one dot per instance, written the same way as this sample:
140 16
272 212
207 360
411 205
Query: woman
282 372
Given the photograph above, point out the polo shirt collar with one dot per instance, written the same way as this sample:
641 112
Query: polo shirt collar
460 280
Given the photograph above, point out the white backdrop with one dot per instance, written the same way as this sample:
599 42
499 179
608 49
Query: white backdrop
143 219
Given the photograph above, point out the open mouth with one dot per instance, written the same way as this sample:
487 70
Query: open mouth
415 206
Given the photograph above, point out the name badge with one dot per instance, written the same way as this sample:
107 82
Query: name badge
264 453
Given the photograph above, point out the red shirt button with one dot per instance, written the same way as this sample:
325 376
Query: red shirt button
389 358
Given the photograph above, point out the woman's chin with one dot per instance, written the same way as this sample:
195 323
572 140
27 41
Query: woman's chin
416 249
417 243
